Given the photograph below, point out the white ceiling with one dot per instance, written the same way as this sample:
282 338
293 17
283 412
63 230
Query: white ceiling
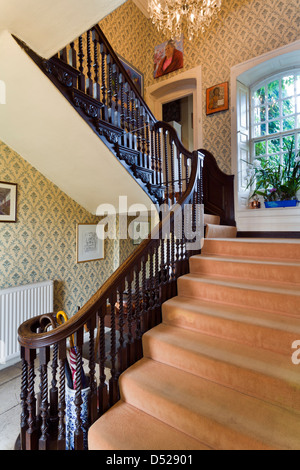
38 122
46 26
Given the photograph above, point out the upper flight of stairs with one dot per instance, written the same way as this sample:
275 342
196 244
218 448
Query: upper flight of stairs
218 372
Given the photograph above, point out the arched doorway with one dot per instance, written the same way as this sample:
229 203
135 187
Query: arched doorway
178 87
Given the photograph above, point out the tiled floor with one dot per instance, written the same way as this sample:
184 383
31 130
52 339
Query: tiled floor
10 386
10 409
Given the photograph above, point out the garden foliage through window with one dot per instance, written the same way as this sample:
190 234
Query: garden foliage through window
275 116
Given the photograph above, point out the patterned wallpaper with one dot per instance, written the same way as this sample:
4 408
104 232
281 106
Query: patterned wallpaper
42 244
243 30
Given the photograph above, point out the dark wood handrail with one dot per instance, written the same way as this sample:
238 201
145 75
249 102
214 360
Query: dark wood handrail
116 59
129 302
32 340
43 417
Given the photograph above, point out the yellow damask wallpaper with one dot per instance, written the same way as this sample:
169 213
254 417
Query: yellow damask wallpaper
42 244
243 30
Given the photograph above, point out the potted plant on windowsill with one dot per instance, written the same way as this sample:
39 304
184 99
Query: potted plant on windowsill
277 182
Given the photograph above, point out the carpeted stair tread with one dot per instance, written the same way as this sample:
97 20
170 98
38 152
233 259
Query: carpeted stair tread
254 248
263 374
220 231
214 414
125 427
269 270
212 219
256 328
262 295
218 372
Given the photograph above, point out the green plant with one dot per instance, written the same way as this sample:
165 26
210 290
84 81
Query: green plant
275 180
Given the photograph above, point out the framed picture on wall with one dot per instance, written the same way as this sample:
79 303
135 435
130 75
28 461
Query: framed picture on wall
217 98
168 57
90 243
136 76
8 202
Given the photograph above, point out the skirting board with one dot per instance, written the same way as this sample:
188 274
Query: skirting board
268 235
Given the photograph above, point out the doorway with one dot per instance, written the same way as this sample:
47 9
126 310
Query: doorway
179 114
186 85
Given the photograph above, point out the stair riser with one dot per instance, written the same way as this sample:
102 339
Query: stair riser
288 251
247 381
240 270
213 433
244 333
286 304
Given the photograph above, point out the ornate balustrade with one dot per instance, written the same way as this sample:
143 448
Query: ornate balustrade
129 302
94 81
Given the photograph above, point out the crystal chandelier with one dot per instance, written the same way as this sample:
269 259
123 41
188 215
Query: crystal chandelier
169 15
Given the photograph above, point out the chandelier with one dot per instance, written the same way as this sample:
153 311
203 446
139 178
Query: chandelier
169 15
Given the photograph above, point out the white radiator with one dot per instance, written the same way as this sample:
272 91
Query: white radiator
18 304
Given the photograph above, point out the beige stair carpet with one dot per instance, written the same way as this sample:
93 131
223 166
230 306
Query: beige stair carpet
213 229
218 372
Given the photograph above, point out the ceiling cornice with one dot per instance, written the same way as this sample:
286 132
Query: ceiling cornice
143 6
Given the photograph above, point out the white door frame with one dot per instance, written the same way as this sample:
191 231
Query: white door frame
177 87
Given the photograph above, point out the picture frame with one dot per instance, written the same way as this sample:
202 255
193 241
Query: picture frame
168 57
217 98
142 229
89 242
136 76
8 202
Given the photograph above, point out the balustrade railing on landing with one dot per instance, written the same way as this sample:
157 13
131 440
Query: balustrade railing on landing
107 331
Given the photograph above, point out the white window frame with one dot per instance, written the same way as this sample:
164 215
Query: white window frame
282 133
247 74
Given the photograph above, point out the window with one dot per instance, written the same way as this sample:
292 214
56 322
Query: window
275 115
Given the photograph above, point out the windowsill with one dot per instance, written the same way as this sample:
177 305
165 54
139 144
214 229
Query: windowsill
279 219
263 211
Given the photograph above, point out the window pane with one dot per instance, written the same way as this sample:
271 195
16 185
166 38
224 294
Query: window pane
298 120
288 141
298 84
259 96
274 127
273 91
287 86
274 146
260 148
288 124
259 114
275 159
261 130
288 107
274 111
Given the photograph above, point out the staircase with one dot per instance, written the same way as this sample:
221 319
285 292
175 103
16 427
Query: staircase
217 373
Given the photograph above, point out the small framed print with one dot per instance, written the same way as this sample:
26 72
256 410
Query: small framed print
136 76
217 98
8 202
90 242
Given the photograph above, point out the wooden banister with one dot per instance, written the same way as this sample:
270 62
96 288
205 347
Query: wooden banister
147 279
91 77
